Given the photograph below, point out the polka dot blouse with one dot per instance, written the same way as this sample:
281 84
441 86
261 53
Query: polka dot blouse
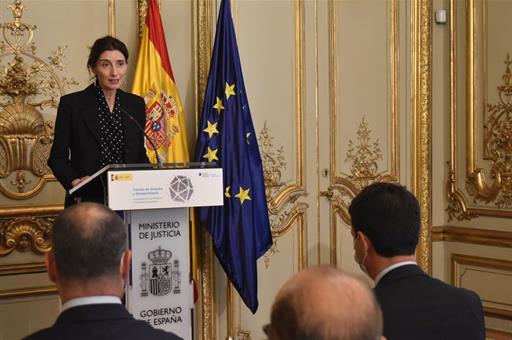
111 131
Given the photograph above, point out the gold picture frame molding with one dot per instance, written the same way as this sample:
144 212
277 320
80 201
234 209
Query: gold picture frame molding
458 200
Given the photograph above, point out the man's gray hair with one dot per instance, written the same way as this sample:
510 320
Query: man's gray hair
88 241
325 303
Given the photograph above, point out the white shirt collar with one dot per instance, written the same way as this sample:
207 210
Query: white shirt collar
90 300
390 268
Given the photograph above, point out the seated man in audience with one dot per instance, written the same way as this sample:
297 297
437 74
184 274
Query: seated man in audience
323 303
385 227
89 264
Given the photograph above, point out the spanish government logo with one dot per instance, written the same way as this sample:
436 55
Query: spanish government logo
181 188
162 276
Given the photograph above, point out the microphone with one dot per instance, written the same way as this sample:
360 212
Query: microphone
159 162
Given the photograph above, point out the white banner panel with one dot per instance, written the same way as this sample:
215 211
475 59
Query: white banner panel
160 292
164 188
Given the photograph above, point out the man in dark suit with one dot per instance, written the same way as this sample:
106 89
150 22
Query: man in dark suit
324 303
385 227
89 264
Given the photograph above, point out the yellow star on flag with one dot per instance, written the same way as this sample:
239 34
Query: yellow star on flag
243 195
230 90
247 135
226 192
218 105
211 129
211 155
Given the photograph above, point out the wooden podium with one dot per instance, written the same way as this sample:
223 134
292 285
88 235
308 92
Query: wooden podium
156 203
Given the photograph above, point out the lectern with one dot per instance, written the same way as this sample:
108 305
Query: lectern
156 203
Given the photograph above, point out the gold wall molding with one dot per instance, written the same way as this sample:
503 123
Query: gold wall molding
498 147
343 189
273 161
292 192
27 292
203 13
28 87
284 216
485 264
142 11
422 128
364 157
22 268
494 238
26 229
495 190
494 334
112 17
243 334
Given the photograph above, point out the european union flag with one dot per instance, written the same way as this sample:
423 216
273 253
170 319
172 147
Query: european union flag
240 229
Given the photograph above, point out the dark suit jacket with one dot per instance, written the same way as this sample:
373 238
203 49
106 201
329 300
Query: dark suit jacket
101 321
76 146
416 306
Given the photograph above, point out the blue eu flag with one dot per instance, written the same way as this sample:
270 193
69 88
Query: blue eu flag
240 229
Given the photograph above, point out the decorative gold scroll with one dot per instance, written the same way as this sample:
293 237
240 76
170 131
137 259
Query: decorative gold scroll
27 229
498 145
28 86
492 187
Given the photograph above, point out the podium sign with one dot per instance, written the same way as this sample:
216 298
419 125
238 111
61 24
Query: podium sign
164 188
156 203
160 293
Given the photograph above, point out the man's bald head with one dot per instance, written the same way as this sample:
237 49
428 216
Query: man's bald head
88 242
325 303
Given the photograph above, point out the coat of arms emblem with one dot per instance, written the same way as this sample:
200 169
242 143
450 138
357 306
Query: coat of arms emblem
162 276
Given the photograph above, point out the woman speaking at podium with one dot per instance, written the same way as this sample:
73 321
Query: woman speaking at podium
98 126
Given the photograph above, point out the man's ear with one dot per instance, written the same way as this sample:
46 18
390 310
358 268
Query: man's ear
49 260
367 243
126 260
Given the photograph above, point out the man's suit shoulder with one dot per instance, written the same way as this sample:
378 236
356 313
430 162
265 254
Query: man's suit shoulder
458 293
100 321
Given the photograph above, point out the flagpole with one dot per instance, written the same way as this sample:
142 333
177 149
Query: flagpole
230 310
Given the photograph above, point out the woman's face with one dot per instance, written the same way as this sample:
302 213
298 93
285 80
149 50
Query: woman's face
110 69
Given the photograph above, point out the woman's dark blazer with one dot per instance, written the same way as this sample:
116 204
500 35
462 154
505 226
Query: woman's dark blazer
76 146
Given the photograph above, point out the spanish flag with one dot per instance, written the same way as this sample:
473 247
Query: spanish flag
154 81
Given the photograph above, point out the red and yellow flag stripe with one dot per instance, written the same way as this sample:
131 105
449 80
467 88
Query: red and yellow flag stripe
154 81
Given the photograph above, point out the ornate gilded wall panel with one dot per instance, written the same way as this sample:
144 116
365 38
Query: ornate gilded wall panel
475 273
28 86
363 133
479 182
43 50
366 133
277 100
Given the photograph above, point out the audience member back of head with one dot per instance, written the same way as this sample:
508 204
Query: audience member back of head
324 303
385 227
89 263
